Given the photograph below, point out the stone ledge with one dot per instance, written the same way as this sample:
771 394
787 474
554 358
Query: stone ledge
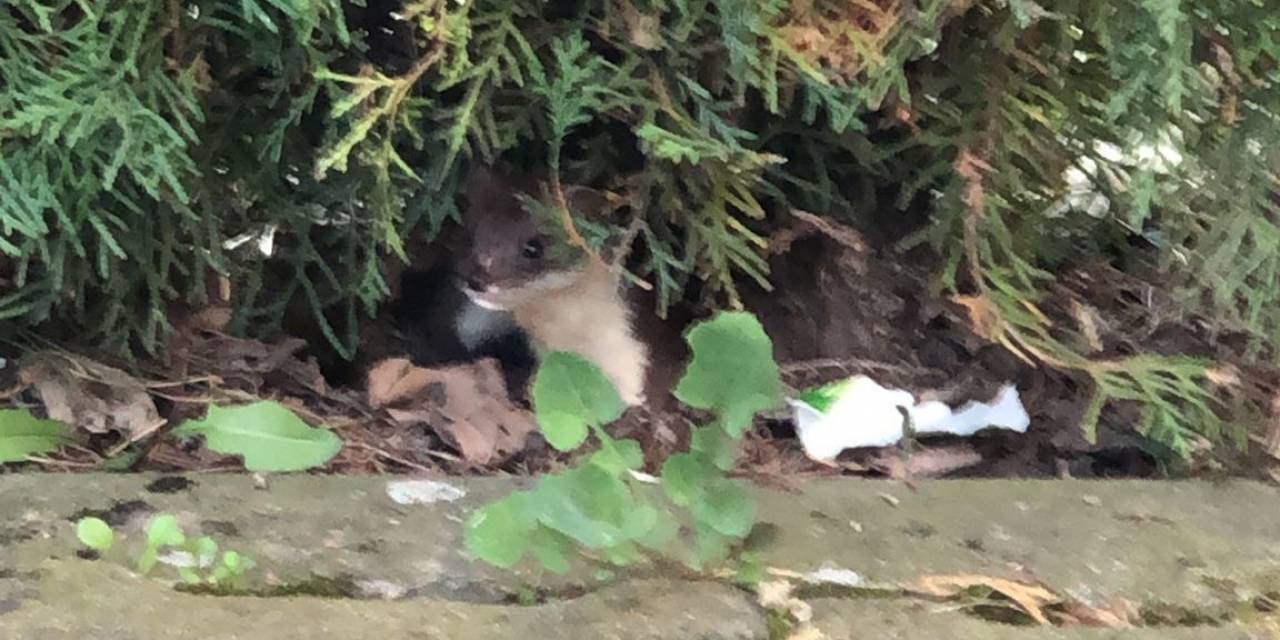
104 602
1208 547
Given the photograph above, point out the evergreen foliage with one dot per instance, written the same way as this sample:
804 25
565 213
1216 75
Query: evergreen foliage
138 137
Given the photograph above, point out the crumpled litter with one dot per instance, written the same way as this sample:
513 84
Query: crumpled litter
859 412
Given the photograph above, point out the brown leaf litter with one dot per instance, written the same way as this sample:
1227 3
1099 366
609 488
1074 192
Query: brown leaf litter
1030 598
89 395
1037 601
467 404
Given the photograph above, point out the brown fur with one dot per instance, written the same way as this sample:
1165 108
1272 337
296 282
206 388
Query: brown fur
563 304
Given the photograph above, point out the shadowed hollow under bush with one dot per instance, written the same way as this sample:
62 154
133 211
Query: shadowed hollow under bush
141 144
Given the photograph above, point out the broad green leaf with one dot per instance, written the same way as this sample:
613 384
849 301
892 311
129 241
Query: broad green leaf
501 532
684 475
639 521
570 394
715 445
587 504
205 549
726 507
665 529
618 456
266 434
95 534
710 546
219 573
164 532
623 553
551 549
732 371
22 435
235 563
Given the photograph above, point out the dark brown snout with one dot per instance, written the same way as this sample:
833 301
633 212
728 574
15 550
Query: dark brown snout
476 274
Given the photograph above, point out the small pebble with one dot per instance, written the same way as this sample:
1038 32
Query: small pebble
422 492
1091 500
381 589
890 499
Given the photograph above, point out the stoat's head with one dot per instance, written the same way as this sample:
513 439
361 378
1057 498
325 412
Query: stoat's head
517 251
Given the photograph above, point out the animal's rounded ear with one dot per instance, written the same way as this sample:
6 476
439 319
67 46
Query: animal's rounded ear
481 179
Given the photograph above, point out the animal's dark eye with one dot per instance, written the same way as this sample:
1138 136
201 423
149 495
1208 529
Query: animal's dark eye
532 249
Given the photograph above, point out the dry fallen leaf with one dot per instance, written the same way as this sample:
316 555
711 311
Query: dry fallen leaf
253 366
779 595
395 380
1272 443
807 633
983 320
1030 598
467 404
89 395
930 462
644 30
774 594
1115 614
1089 320
844 235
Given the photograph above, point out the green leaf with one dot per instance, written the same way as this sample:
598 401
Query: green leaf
266 434
164 532
622 554
750 572
571 394
664 530
1093 411
715 445
95 534
22 435
551 549
684 475
587 504
619 456
640 521
500 533
205 549
123 462
711 546
726 507
235 564
732 372
821 398
219 574
147 560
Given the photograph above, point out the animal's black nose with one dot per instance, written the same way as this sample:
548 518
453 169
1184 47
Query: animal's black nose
473 283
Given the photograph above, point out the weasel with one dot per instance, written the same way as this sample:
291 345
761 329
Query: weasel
517 268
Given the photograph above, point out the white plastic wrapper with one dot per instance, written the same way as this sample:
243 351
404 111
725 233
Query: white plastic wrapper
858 412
